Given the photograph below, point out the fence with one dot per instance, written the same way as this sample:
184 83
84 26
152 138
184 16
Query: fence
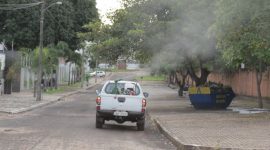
244 82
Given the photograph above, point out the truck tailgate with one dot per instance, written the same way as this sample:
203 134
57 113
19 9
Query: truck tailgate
121 102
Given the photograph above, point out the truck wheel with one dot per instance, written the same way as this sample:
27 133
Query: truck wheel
99 122
140 125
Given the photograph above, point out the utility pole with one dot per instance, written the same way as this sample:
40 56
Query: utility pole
40 67
39 88
12 46
82 76
96 72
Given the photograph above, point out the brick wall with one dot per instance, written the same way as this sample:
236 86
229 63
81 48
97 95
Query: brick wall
244 82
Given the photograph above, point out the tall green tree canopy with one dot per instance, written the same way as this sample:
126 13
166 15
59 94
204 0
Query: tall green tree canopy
179 27
243 34
242 31
147 28
62 22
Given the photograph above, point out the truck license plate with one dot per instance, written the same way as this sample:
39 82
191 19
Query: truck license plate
120 113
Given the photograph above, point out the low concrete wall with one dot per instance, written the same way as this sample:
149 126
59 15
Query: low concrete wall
133 66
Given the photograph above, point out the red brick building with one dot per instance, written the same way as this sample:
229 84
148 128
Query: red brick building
121 64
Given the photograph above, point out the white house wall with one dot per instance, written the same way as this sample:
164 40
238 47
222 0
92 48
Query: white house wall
27 78
63 72
2 61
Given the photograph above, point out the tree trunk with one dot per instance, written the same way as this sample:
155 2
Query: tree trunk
7 87
259 81
35 88
199 80
45 82
73 76
69 73
56 77
181 83
7 82
51 80
170 79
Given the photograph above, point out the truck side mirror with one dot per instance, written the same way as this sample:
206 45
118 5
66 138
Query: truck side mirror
97 92
146 94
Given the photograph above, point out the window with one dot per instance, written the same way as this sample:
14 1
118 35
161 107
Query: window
122 88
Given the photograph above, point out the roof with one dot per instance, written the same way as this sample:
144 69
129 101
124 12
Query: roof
123 81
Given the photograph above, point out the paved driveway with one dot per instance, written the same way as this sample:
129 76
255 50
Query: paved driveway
70 125
207 128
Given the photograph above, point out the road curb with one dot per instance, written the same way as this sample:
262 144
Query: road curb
60 98
178 143
22 110
175 141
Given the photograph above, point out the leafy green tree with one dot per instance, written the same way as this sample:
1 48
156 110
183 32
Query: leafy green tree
20 26
62 22
63 50
85 11
179 27
124 38
174 67
95 34
242 30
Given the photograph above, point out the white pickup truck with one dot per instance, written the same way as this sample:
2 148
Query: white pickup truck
121 101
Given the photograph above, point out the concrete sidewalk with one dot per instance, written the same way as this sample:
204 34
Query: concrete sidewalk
24 101
188 128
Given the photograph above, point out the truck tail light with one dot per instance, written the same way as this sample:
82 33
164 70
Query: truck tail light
98 100
143 102
143 105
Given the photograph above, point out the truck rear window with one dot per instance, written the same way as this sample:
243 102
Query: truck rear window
122 89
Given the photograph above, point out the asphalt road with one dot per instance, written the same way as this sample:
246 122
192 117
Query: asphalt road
70 124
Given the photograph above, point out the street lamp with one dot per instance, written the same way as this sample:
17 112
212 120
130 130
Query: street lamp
43 9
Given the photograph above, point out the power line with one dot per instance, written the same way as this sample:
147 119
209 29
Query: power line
20 4
17 6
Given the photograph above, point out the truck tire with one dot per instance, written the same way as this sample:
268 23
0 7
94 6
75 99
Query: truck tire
140 125
99 122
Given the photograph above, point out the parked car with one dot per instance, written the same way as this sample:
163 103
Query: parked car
121 101
98 74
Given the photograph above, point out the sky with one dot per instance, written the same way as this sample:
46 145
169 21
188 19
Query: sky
106 6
